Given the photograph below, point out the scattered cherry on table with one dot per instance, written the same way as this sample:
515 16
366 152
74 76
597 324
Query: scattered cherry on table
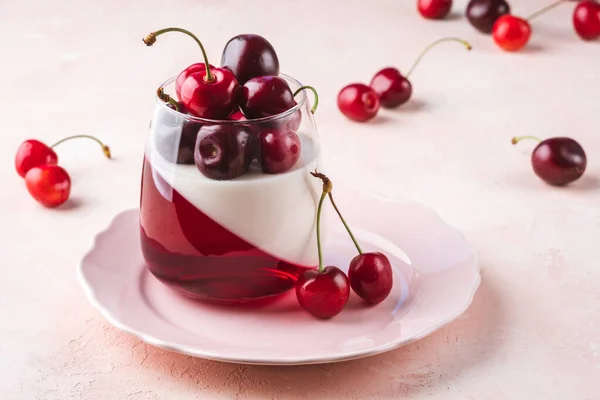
434 9
358 102
205 91
586 19
395 89
49 185
512 33
324 292
558 161
483 14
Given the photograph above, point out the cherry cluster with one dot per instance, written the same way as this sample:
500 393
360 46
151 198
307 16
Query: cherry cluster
47 182
325 292
510 32
246 86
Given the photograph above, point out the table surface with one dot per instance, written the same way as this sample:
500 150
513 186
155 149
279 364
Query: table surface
533 330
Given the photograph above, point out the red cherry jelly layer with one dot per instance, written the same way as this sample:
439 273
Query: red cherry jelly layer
191 253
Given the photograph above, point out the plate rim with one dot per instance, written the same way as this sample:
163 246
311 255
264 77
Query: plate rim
307 360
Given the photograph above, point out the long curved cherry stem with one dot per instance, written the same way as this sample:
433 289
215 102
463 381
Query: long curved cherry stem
160 93
301 88
516 140
543 10
105 148
432 45
327 188
151 39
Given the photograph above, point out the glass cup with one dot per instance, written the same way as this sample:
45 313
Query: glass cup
227 208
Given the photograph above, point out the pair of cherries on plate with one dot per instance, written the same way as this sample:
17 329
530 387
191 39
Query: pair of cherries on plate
47 182
388 89
246 86
324 292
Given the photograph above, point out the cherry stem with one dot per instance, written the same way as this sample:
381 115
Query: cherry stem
314 107
516 140
105 148
160 93
327 189
151 39
432 45
321 267
543 10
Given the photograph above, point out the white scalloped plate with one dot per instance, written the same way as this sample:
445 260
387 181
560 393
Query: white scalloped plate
436 277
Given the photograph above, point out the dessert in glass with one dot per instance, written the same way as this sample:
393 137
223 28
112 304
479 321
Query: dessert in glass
228 205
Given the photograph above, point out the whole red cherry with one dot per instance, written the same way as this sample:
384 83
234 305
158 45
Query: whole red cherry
249 56
358 102
511 33
204 91
50 185
586 20
371 276
434 9
32 153
558 161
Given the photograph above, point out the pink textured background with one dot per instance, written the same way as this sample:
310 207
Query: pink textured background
533 331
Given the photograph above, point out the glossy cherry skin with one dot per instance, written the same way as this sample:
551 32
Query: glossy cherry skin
586 20
278 150
559 161
210 100
49 185
225 151
483 14
392 88
434 9
266 96
324 295
358 102
371 277
32 153
183 75
511 33
249 56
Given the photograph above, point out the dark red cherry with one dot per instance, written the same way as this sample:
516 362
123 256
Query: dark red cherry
434 9
393 88
586 20
49 185
204 91
32 153
225 151
278 150
371 276
249 56
558 161
192 69
482 14
266 96
358 102
323 294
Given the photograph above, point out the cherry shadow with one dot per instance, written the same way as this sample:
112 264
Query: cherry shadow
532 48
587 183
71 204
423 366
413 105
